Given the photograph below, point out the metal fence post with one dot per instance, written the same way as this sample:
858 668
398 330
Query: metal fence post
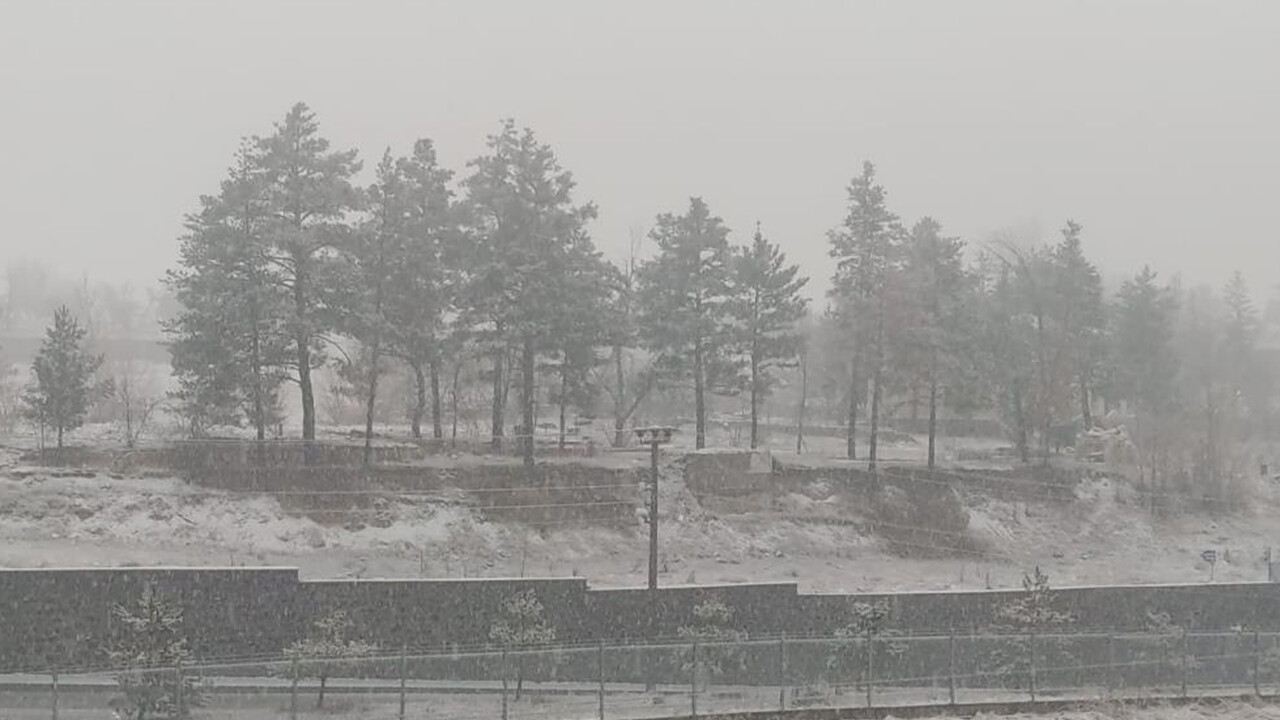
177 671
1184 662
870 666
782 671
693 680
403 673
1111 664
503 671
951 666
1257 686
55 695
600 674
293 689
1031 643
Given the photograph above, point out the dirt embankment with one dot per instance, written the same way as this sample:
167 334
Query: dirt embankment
813 536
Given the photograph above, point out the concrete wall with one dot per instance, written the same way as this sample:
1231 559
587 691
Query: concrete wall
64 617
720 472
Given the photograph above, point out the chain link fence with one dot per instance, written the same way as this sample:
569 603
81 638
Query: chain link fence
679 677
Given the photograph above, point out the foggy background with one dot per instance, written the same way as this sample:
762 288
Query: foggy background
1151 123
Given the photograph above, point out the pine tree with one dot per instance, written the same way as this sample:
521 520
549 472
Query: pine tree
714 627
1034 612
1032 286
522 622
149 649
1145 366
1004 351
867 248
423 279
580 329
1239 348
522 224
1203 376
64 370
1079 313
328 649
368 256
937 292
683 295
229 342
765 306
308 195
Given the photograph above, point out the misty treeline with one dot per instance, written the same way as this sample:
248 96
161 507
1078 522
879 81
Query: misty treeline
291 261
488 277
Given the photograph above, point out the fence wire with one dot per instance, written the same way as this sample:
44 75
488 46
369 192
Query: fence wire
676 677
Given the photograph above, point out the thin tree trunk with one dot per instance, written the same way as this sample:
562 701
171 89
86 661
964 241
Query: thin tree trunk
303 340
699 401
1046 433
1086 412
619 398
420 404
755 397
128 418
804 396
437 420
1020 417
872 436
59 437
453 402
255 360
371 401
499 397
320 698
1046 391
876 382
1210 437
851 427
564 387
527 368
933 411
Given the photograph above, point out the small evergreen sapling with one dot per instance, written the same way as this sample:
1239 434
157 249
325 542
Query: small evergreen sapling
1032 614
64 370
714 629
522 622
149 651
327 650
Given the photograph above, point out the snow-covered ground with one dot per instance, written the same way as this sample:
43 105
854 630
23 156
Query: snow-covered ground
52 519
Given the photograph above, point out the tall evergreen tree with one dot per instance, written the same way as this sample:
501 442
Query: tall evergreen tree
683 291
1032 276
867 248
1145 364
1239 349
424 279
1079 313
523 222
308 196
579 328
369 255
1005 350
937 292
64 370
765 306
228 343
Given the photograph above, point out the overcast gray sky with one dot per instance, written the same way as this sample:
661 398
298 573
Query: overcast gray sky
1154 124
